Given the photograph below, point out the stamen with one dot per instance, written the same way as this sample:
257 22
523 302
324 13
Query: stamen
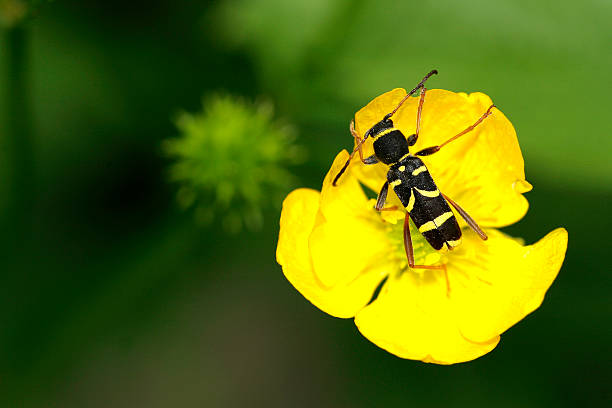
424 254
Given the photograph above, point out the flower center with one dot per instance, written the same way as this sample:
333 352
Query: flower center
424 254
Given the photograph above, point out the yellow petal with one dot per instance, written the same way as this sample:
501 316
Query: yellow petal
324 245
496 283
412 318
348 241
346 199
482 171
493 285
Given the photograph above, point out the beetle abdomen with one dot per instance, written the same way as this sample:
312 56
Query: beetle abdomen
428 209
435 220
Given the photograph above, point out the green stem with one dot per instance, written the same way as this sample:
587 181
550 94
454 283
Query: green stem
18 137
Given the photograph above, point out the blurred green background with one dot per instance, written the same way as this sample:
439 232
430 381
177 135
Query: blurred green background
111 295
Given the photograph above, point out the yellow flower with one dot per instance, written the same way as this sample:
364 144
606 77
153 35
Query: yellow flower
336 249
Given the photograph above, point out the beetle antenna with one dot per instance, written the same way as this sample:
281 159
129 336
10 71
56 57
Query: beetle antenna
409 94
343 169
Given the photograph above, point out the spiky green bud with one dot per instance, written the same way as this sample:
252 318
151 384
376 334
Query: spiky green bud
230 161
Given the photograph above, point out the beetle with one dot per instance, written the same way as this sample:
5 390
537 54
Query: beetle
411 181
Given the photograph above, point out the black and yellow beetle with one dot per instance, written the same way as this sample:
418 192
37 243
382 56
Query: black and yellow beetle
411 181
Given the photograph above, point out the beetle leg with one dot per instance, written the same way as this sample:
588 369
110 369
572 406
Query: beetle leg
410 254
470 221
359 141
413 138
382 197
365 160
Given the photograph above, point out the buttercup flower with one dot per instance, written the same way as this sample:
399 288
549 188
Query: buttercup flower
336 249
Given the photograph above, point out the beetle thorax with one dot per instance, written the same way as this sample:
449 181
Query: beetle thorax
390 145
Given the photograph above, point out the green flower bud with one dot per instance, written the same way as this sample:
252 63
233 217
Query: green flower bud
230 161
